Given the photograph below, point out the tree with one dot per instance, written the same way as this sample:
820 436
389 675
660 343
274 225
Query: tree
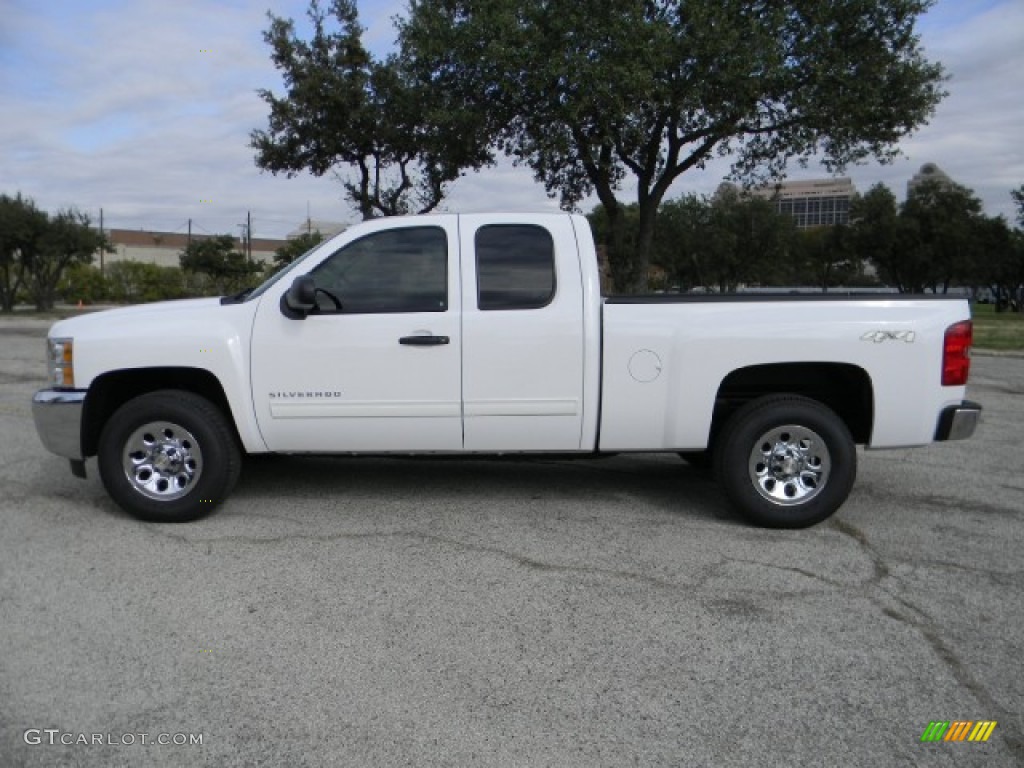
591 94
1018 198
725 241
345 110
874 220
1001 266
1001 257
929 242
295 247
681 239
749 242
68 239
22 227
947 217
829 255
217 258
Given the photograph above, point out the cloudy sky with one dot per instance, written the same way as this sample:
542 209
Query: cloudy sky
144 107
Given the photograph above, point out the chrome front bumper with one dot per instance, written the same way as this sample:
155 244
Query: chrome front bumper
58 417
958 422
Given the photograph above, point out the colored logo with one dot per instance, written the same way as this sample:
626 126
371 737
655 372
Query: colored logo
958 730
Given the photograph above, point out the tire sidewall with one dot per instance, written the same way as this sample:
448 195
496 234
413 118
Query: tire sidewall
749 424
193 413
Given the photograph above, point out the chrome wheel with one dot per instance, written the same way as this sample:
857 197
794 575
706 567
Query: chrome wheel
162 460
789 464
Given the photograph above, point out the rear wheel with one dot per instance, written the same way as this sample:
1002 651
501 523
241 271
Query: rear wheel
786 461
168 456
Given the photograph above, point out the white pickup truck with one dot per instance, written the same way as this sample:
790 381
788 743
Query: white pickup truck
488 334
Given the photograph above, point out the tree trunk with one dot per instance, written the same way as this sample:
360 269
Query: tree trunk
618 254
645 240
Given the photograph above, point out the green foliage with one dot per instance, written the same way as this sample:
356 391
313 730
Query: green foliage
22 227
681 245
85 283
213 266
37 248
945 220
874 217
68 239
1018 198
1001 263
589 95
829 255
748 242
936 239
134 282
295 247
344 109
721 243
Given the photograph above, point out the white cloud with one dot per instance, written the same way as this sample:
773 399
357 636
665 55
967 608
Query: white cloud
145 108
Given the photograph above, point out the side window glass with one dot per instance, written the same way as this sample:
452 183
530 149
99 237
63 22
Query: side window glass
399 270
515 267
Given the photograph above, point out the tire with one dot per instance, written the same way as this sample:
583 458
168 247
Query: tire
786 461
168 456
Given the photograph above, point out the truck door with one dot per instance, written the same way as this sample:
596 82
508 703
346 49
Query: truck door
522 335
377 366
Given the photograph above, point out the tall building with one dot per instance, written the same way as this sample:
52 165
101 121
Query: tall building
813 203
928 172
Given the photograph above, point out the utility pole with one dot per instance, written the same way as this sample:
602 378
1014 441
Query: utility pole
102 248
248 237
242 238
188 242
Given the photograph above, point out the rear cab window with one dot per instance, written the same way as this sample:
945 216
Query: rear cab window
515 267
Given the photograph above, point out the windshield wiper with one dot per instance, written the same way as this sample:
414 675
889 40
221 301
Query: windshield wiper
239 297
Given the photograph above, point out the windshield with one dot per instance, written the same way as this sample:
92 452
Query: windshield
265 286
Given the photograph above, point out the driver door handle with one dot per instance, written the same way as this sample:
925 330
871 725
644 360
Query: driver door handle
424 341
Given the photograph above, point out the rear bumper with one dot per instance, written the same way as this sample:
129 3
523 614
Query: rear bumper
58 417
958 422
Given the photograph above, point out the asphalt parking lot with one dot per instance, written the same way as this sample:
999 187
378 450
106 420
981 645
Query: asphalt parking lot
390 612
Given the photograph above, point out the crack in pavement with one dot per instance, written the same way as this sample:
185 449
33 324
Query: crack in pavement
793 569
944 502
920 621
522 560
1000 578
899 609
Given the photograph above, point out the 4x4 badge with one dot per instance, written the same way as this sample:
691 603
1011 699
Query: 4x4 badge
879 336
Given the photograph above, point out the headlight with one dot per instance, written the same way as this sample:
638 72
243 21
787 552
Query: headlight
60 354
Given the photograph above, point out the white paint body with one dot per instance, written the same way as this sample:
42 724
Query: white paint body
578 375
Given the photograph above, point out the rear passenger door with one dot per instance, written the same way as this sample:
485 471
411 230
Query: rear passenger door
522 334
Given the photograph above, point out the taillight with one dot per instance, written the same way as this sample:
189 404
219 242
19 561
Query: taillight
956 354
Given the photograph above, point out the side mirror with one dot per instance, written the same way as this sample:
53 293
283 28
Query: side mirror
300 299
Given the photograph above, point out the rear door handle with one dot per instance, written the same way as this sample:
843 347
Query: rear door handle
424 341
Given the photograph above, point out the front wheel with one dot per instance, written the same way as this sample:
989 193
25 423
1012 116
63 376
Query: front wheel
168 456
786 461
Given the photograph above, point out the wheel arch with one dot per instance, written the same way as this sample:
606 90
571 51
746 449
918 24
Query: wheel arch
111 390
845 388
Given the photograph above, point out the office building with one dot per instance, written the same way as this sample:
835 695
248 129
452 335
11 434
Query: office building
812 203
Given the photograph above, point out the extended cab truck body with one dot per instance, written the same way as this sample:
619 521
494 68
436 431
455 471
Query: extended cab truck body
487 333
